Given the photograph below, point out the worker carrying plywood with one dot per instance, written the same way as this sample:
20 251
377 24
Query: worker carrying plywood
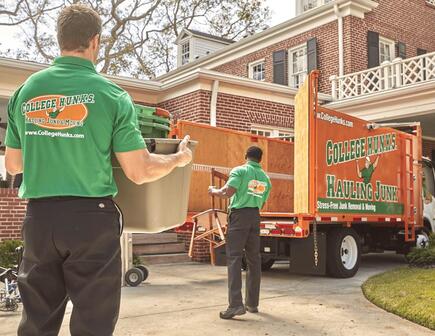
249 188
64 122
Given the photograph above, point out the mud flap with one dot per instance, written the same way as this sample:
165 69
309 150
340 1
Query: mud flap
302 259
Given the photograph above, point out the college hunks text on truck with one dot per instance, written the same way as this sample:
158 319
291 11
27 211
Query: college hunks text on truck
358 168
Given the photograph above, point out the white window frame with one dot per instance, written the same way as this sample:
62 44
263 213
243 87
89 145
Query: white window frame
301 74
251 67
391 44
273 132
185 55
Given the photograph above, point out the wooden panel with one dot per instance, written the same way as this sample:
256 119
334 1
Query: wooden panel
301 166
226 148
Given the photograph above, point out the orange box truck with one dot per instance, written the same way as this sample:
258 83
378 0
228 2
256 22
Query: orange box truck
344 187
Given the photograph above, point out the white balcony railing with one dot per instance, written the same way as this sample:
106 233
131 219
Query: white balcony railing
389 75
310 4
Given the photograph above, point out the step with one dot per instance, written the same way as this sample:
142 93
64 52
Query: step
164 258
154 238
164 248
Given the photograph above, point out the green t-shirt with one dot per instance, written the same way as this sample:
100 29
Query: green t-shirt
366 173
252 184
67 119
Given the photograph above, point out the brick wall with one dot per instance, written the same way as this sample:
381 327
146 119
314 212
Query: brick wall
411 22
201 249
327 49
12 212
194 106
240 113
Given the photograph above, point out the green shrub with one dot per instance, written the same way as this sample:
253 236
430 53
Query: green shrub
423 256
136 260
8 256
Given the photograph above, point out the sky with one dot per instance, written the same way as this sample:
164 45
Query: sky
282 10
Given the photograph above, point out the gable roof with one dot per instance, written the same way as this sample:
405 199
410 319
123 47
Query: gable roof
193 32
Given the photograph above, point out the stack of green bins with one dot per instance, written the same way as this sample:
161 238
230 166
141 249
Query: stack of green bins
152 122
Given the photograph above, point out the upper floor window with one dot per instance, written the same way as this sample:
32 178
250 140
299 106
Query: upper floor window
297 66
257 70
185 53
310 4
270 132
386 50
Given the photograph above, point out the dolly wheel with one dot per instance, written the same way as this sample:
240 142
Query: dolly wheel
144 271
134 276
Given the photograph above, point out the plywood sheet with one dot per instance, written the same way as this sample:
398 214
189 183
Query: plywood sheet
226 148
301 156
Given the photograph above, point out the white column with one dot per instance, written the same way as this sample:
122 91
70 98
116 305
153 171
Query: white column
213 103
340 41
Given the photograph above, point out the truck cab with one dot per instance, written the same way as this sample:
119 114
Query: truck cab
428 195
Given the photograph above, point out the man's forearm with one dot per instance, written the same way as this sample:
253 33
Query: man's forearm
158 166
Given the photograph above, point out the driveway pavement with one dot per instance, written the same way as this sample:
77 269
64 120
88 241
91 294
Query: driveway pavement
185 299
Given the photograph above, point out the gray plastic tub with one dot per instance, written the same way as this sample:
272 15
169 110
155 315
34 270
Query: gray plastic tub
156 206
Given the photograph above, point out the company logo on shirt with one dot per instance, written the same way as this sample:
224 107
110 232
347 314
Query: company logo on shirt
256 188
56 111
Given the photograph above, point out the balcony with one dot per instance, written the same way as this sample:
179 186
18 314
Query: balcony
388 76
311 4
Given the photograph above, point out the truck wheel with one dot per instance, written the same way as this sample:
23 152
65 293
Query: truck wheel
144 271
134 276
343 253
267 263
422 239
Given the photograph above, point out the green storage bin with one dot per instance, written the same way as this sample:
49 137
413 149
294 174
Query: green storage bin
144 110
153 130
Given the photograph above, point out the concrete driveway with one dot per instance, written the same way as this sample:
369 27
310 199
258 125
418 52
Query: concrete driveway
185 299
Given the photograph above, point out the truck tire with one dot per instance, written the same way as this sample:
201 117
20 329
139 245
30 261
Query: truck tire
134 276
267 263
343 253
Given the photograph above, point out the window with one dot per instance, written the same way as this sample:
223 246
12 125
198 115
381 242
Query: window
185 53
270 132
257 70
386 50
310 4
297 66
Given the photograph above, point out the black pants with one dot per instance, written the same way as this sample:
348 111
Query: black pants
243 235
71 250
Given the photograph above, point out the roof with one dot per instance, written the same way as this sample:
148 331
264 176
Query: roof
210 36
301 23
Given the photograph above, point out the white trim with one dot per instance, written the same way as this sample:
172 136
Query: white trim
392 44
251 69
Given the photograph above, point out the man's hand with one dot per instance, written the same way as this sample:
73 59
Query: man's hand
211 190
184 153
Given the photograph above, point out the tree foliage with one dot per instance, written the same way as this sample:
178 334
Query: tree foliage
138 35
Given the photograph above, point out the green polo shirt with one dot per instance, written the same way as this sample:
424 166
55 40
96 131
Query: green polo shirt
67 119
252 186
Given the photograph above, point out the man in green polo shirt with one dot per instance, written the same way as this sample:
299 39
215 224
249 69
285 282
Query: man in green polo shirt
64 123
368 170
248 187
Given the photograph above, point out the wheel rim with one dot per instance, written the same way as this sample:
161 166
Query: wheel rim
134 277
349 252
422 240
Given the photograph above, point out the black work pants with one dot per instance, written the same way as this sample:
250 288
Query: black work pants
71 250
243 235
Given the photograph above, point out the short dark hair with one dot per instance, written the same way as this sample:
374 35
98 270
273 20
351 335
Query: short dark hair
76 26
254 153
